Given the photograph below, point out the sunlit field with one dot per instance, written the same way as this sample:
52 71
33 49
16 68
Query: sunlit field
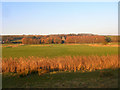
59 45
60 65
55 50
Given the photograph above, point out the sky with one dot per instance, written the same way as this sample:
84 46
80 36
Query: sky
42 18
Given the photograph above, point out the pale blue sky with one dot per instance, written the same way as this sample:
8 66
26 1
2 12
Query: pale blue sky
60 17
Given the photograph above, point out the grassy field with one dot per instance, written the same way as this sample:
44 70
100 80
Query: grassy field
60 79
52 50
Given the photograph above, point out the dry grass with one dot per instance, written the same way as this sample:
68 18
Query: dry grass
96 45
23 66
12 45
73 44
100 45
40 45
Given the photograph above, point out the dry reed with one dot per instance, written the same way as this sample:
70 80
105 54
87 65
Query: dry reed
43 65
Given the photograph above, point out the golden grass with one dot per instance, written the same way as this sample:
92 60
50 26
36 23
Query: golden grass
40 45
100 45
43 65
12 45
96 45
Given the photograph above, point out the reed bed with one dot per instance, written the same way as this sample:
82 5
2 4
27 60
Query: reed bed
24 66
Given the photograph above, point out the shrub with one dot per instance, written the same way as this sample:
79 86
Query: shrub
108 39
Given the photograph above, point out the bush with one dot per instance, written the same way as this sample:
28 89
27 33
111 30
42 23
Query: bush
108 39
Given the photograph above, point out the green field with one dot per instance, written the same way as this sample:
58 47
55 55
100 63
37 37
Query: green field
56 50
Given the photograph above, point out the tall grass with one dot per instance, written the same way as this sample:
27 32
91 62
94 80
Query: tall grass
23 66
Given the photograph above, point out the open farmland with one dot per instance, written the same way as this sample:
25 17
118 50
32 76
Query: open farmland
59 65
55 50
59 45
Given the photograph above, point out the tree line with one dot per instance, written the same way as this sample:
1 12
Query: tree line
59 38
43 40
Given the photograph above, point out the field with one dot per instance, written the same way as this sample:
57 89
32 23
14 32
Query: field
55 50
99 65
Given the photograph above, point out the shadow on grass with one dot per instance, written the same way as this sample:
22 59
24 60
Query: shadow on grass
107 78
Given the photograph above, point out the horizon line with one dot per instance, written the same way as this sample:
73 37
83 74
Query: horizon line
57 34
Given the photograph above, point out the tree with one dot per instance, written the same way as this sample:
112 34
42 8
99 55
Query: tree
57 40
85 39
34 37
108 39
24 40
